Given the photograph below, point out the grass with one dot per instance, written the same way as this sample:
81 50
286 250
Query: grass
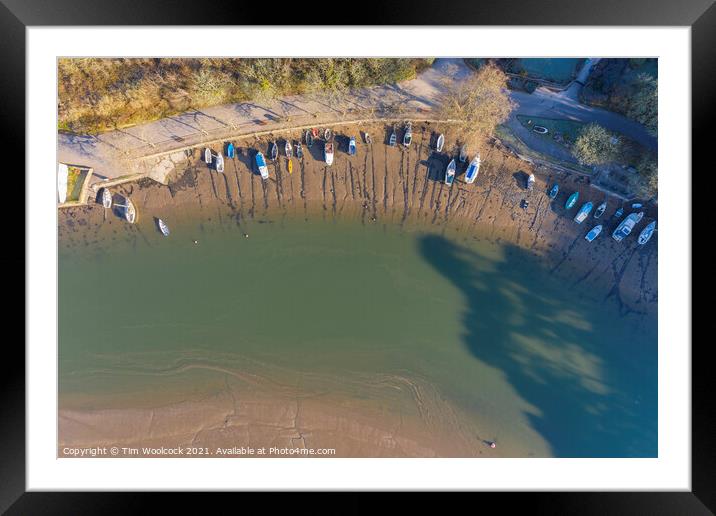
75 179
568 129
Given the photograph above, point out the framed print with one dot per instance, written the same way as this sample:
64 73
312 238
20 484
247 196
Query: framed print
425 257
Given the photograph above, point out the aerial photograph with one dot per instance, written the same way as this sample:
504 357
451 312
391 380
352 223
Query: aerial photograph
357 257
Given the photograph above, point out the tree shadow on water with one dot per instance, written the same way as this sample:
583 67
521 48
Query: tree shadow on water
558 353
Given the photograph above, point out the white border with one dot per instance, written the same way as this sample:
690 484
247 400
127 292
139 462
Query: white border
670 471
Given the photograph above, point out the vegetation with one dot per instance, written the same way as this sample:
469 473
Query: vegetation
596 146
645 181
643 104
103 94
480 103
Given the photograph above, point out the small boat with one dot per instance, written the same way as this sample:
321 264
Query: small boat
207 156
261 164
327 134
463 154
625 227
274 151
220 162
524 204
299 150
439 144
328 153
473 169
636 205
583 212
618 213
309 139
288 149
450 173
393 139
571 201
314 132
367 138
62 172
106 198
163 227
290 166
646 233
230 151
352 146
531 182
554 191
593 233
600 210
408 136
540 129
130 212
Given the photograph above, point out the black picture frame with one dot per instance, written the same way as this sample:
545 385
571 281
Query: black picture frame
17 15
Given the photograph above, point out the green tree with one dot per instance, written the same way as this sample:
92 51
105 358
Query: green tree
596 146
645 183
644 102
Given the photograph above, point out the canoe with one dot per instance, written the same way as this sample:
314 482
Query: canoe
309 139
450 173
600 210
230 151
554 191
531 182
593 233
626 226
299 150
274 151
463 154
163 227
328 153
571 201
207 156
352 146
408 136
261 165
290 166
583 212
393 139
288 149
473 169
130 212
62 172
327 134
220 162
440 143
618 213
646 233
106 198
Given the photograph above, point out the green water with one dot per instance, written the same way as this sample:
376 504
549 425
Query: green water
488 326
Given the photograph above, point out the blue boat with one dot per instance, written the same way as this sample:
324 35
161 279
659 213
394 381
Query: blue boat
352 146
583 212
450 173
593 233
230 150
554 191
261 164
472 169
572 200
393 139
309 139
618 213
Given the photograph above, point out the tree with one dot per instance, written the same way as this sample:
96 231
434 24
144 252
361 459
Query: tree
644 103
645 183
595 145
479 103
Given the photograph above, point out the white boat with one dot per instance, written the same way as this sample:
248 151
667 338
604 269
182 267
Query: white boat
261 164
439 144
408 136
646 233
288 149
130 212
207 156
62 172
463 154
583 212
473 169
327 134
220 162
299 150
163 227
352 146
600 210
328 153
593 233
531 182
625 226
450 173
393 139
367 138
106 198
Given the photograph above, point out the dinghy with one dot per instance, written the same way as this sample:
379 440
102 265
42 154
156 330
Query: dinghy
220 162
130 212
646 233
472 169
288 149
352 146
290 166
230 151
626 226
327 134
163 227
583 212
531 182
636 205
440 143
62 172
600 210
367 138
261 165
408 136
450 173
393 139
207 156
299 150
554 191
328 153
106 198
463 154
618 213
593 233
274 151
571 201
309 139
